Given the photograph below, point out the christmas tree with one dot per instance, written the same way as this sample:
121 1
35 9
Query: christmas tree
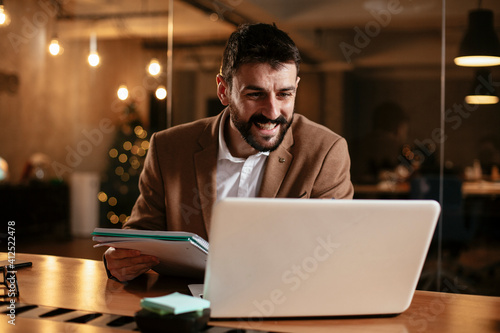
119 186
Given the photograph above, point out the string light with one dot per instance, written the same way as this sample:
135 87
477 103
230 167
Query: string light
93 56
154 67
4 16
161 93
94 59
122 92
55 47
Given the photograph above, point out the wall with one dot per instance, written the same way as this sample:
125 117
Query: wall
64 108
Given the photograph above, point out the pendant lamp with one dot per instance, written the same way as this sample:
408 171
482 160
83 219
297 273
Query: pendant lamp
483 90
480 46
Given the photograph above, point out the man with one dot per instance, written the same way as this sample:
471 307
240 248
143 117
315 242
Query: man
255 147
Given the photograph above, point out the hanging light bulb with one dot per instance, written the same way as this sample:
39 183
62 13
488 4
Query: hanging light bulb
93 59
55 48
154 67
161 93
93 56
480 46
4 16
122 92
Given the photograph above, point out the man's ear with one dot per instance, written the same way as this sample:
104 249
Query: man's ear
222 90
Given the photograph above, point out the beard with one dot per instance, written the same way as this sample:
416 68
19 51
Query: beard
260 143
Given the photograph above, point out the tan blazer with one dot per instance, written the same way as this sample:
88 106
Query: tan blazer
178 183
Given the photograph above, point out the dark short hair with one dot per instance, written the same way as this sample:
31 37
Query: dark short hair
258 43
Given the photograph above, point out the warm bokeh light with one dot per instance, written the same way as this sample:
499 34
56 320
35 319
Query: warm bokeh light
119 171
54 47
114 219
122 92
112 201
4 17
161 93
135 163
125 177
477 61
4 170
113 153
154 67
123 158
127 145
102 197
93 59
138 130
481 99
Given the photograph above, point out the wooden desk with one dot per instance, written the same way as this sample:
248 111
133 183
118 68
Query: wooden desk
81 284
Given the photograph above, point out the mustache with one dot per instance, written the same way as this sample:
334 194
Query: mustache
263 119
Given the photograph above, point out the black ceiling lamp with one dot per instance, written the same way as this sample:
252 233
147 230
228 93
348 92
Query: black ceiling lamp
480 46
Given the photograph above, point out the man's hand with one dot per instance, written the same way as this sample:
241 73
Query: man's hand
126 264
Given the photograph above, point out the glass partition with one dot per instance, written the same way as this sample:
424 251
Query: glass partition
373 71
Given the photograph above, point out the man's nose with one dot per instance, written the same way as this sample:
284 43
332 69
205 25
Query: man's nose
271 108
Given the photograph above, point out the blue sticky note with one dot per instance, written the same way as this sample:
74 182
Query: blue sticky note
175 303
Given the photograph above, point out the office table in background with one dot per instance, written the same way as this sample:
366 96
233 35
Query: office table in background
80 284
387 190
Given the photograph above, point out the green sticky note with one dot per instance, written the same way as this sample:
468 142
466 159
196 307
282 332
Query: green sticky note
175 303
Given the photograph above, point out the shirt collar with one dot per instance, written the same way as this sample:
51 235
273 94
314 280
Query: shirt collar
224 153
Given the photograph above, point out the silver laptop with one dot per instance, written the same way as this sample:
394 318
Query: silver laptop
301 258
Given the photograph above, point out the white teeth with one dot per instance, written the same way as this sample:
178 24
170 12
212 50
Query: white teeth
267 126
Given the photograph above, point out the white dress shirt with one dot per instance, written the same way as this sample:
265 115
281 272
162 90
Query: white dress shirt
237 177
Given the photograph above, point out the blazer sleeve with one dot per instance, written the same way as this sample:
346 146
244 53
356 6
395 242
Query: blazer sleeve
150 207
334 179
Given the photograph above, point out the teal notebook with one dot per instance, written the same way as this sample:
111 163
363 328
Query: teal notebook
180 253
152 234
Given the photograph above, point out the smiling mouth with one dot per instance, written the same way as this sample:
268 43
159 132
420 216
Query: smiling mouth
266 126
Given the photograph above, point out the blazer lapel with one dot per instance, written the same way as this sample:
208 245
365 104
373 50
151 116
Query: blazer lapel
205 162
277 166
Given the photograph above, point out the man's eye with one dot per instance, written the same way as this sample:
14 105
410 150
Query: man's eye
285 94
254 95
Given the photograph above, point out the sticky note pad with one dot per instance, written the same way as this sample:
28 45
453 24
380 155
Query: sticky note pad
175 303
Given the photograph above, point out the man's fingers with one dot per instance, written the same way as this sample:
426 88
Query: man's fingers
129 268
132 261
142 259
127 264
131 272
113 253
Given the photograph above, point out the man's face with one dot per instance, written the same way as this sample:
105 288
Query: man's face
261 104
